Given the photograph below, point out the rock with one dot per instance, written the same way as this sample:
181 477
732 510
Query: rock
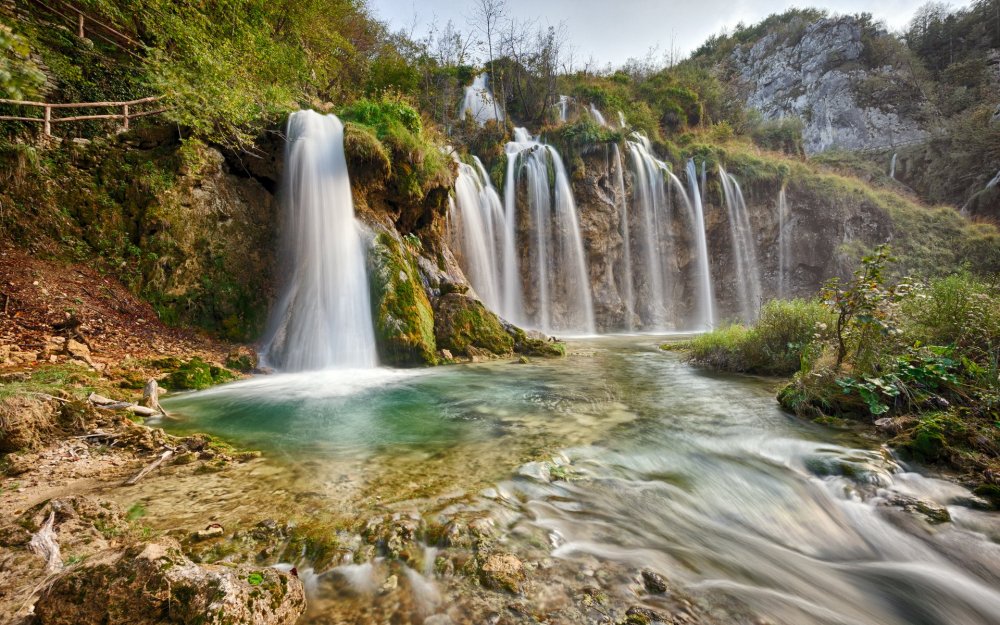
818 77
934 513
25 422
464 326
502 571
212 531
446 354
243 359
639 615
404 319
11 355
154 583
78 350
654 582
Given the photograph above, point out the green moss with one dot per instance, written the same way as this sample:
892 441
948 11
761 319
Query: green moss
462 322
196 374
367 158
404 320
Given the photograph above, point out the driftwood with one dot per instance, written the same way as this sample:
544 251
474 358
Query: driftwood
105 403
151 396
43 543
150 467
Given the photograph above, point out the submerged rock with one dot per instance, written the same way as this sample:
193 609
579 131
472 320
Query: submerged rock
502 571
154 583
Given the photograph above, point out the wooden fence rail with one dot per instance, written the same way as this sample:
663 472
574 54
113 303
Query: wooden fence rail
47 119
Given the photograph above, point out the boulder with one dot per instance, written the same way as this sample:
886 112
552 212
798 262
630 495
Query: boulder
154 584
464 326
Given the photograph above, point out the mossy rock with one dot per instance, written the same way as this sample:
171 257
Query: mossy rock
404 319
462 322
367 158
528 346
196 374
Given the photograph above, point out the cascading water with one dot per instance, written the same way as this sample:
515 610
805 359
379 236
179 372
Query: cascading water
651 205
479 102
558 296
744 253
695 207
598 117
628 286
477 229
323 318
564 101
892 166
784 245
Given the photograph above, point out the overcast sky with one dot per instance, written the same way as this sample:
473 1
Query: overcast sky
616 30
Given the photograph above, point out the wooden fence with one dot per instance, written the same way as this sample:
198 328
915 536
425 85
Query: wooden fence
47 119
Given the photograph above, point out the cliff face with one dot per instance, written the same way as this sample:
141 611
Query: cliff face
817 73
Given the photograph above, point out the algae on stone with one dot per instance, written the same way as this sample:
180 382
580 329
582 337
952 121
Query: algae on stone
403 318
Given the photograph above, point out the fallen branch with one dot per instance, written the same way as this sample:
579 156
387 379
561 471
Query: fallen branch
43 543
151 467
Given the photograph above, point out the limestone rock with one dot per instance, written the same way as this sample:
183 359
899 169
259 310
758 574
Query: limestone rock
244 359
25 422
817 77
154 583
502 571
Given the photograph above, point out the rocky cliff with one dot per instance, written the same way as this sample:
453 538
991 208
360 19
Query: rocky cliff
819 72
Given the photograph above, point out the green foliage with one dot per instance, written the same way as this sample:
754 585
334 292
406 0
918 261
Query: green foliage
255 579
859 306
20 78
196 374
417 164
778 343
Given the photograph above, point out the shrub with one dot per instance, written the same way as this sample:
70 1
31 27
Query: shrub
779 343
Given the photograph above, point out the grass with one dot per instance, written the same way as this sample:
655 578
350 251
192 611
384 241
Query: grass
775 345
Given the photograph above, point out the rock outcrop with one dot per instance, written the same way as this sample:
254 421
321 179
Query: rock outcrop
155 584
815 72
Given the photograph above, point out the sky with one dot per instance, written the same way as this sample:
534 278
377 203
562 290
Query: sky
612 31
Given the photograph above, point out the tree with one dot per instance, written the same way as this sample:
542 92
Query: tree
487 16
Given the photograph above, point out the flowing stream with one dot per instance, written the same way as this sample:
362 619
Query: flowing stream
760 516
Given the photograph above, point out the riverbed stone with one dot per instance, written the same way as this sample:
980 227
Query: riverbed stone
502 571
154 583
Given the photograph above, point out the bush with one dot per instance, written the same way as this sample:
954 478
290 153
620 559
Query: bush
777 344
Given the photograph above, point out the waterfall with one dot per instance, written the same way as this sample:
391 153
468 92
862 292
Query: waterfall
628 286
695 207
476 230
558 297
784 244
744 254
621 120
892 166
564 108
650 203
596 114
323 318
479 102
994 182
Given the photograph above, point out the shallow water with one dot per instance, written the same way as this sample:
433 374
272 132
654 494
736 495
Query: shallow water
699 477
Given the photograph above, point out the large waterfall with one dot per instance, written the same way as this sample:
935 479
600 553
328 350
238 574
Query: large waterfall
784 245
653 223
323 318
554 294
696 207
747 275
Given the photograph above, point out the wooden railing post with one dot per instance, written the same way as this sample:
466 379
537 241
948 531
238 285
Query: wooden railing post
48 121
125 114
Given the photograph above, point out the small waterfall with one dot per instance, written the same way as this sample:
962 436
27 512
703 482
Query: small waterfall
559 296
621 120
784 245
477 229
994 182
696 208
650 203
323 318
479 102
628 286
744 253
596 114
892 166
563 105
